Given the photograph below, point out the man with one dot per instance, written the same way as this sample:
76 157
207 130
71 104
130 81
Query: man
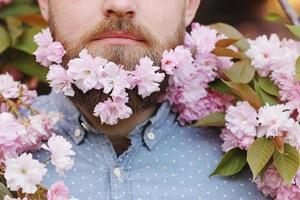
148 156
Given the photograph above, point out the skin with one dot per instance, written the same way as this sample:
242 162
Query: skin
72 21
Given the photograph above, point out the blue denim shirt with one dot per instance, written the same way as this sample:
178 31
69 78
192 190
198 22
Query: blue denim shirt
164 162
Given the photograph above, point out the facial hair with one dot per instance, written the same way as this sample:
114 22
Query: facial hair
128 56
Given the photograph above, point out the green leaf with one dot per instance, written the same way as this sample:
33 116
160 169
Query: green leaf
19 9
219 86
240 72
232 163
297 69
245 92
25 42
268 86
287 163
27 64
213 119
272 17
258 155
265 97
295 30
4 39
232 33
4 191
14 26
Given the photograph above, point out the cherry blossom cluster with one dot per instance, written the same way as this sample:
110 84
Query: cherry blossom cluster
273 185
191 68
244 124
24 129
276 59
87 73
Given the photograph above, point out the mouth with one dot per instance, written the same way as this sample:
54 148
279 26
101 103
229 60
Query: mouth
119 38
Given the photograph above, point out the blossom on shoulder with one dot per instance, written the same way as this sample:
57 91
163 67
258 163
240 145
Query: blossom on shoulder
242 118
265 53
60 157
147 77
59 80
274 120
24 173
202 38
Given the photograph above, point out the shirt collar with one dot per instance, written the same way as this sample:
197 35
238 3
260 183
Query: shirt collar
76 126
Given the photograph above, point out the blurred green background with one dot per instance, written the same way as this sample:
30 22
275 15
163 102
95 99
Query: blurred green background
20 20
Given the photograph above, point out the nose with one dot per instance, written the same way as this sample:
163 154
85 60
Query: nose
119 8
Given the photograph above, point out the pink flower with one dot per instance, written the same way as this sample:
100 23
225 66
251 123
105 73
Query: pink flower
60 157
48 52
272 185
24 173
242 118
265 53
147 78
59 80
179 57
8 87
86 71
58 191
202 38
274 120
234 140
10 132
111 111
115 80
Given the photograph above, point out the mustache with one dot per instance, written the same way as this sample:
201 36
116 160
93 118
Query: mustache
116 24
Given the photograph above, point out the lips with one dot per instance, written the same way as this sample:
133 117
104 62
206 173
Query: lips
119 38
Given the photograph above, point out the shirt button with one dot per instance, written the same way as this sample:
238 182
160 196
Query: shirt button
151 136
117 172
77 133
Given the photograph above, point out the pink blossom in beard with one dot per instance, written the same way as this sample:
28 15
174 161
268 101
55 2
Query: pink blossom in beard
213 102
202 38
9 88
86 71
59 80
112 110
115 80
147 78
179 57
48 51
58 191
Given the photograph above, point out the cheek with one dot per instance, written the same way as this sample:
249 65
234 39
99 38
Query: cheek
162 17
72 21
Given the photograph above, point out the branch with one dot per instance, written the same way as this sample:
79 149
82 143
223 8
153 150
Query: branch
289 11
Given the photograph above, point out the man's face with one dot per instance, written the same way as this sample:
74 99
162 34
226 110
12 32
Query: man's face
122 31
